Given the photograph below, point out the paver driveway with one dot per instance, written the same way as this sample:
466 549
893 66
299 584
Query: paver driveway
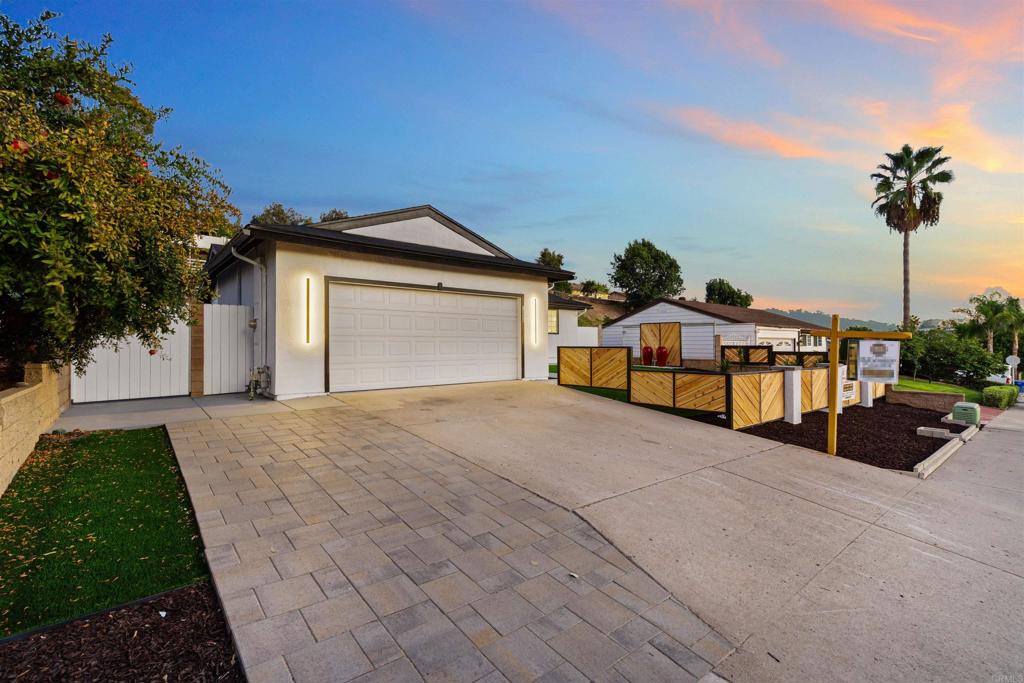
344 547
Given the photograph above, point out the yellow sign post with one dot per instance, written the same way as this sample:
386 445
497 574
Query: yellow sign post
834 335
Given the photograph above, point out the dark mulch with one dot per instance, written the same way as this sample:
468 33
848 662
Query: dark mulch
189 643
884 435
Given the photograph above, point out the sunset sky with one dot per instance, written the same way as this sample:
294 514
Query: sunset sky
739 136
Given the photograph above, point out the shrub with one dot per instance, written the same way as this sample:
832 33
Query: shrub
944 357
1002 396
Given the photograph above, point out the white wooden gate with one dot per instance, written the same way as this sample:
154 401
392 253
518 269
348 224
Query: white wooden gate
227 348
130 371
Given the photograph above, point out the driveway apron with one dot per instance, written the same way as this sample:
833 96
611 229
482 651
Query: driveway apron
346 548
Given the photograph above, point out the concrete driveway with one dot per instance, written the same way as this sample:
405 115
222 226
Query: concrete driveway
815 567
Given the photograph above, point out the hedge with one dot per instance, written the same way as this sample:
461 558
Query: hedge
999 397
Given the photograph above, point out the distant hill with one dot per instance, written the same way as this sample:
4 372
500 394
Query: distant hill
823 320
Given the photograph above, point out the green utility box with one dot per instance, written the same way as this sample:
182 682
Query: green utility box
964 411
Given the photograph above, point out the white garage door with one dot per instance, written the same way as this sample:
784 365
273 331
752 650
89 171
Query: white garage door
385 337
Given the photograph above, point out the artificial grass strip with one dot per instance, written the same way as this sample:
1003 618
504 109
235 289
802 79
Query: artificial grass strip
911 384
91 522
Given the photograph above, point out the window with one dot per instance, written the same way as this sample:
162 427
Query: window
552 321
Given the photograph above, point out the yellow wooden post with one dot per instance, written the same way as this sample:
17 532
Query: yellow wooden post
833 384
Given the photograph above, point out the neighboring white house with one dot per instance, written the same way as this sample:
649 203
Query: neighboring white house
395 299
563 325
701 322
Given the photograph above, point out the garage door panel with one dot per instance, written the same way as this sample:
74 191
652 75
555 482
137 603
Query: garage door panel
392 337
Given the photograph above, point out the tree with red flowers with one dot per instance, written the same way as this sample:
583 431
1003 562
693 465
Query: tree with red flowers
97 219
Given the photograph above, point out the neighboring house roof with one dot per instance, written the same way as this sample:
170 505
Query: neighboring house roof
733 314
426 210
556 301
343 241
601 309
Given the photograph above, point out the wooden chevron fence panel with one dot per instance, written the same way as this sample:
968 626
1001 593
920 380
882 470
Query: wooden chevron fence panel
813 389
877 390
700 392
668 335
609 367
772 396
812 359
806 390
746 401
650 335
786 359
671 339
732 354
758 354
574 365
651 387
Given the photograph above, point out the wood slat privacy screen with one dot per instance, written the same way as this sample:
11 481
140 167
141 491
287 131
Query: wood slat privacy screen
669 335
606 367
766 355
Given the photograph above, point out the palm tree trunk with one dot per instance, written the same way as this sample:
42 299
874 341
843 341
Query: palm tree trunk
906 279
990 339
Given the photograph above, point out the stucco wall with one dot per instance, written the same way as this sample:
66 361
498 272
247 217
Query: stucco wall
570 334
297 367
26 412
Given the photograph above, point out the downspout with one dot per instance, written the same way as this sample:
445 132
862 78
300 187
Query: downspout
262 319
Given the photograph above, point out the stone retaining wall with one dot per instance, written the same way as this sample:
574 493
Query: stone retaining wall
930 400
28 411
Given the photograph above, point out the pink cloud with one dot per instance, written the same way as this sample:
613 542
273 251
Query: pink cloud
744 134
730 30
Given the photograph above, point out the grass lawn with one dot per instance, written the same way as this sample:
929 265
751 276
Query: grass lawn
910 384
92 522
621 395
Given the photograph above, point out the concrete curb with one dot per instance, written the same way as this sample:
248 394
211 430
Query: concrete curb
926 467
936 433
966 435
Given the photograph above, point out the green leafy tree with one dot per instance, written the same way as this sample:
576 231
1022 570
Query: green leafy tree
644 273
333 215
905 196
947 357
552 259
97 219
277 213
985 318
720 291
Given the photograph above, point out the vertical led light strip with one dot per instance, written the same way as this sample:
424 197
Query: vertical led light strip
535 323
307 310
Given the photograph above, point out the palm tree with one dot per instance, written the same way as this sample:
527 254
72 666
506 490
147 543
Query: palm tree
986 318
905 196
1013 320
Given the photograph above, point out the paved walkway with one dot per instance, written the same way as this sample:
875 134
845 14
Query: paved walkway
346 548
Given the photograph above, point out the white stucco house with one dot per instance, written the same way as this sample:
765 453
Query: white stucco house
701 322
563 325
395 299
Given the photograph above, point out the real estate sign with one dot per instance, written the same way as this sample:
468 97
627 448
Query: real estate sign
878 361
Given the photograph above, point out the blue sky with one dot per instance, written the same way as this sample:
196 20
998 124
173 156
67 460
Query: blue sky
738 136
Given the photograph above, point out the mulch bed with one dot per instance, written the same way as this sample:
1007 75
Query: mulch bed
884 435
134 643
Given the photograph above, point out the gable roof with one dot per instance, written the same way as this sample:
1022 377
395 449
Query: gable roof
426 210
342 241
558 301
732 314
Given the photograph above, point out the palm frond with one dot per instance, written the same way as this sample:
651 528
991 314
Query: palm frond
940 177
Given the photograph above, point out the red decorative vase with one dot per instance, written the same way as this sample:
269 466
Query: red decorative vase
662 356
647 355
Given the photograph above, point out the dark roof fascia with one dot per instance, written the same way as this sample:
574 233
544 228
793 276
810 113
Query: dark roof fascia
333 239
426 210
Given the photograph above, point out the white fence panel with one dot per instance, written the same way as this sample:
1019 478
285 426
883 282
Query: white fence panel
130 371
227 348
